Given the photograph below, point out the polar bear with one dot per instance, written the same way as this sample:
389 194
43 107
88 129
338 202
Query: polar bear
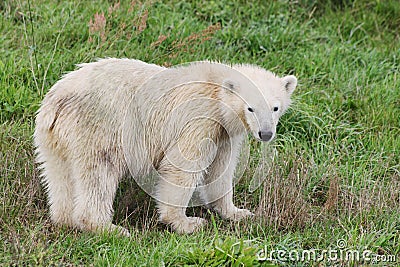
118 118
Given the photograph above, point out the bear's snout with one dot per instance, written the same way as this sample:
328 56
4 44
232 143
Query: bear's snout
265 135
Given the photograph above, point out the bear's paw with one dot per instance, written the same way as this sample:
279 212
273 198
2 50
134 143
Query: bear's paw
239 214
189 225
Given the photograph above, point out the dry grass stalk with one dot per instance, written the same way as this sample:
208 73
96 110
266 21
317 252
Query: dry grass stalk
112 9
375 196
331 203
282 204
183 45
133 5
98 26
159 41
141 25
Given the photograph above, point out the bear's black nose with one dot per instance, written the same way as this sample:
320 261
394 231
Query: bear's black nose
265 135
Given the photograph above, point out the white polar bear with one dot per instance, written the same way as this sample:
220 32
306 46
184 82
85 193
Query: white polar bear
117 117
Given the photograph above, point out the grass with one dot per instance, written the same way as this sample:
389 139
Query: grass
337 173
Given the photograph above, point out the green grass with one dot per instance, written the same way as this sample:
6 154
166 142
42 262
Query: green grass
337 174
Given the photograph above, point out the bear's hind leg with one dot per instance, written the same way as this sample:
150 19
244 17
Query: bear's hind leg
57 181
95 188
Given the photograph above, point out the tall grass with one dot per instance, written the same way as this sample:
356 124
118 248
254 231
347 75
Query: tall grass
337 170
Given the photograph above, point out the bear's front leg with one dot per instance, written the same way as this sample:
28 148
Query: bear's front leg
181 171
174 192
217 190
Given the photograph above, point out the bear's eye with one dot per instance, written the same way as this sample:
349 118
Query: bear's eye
276 108
250 109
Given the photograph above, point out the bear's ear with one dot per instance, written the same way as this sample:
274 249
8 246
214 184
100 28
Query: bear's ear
230 85
290 83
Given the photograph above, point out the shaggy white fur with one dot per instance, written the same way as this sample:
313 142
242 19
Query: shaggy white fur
117 117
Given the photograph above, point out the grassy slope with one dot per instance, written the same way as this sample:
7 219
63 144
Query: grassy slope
337 174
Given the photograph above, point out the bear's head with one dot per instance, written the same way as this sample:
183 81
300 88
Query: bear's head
258 98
